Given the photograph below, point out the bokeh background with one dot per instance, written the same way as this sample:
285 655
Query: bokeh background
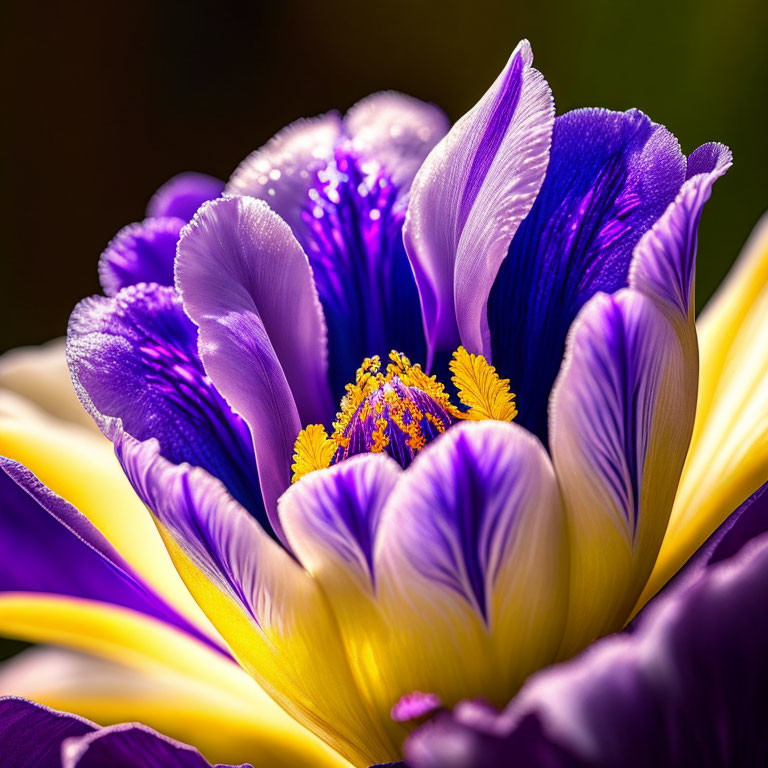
104 101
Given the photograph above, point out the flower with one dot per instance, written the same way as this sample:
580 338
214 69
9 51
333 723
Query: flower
436 533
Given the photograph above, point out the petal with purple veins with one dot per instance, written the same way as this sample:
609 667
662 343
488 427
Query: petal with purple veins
134 358
259 598
620 422
469 198
140 253
610 177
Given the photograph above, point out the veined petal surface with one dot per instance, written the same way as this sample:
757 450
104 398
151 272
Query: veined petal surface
246 283
620 426
469 198
465 592
611 175
140 253
342 187
728 456
134 358
270 611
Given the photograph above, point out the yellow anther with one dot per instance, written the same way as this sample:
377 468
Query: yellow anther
480 388
313 450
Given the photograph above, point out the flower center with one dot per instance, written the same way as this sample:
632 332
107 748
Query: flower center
398 410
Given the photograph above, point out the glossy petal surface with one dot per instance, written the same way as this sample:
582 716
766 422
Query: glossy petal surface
469 198
182 195
611 175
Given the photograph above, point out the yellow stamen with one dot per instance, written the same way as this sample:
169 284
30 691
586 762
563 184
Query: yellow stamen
313 450
480 388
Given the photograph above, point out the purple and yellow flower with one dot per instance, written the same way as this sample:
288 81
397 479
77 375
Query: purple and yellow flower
354 526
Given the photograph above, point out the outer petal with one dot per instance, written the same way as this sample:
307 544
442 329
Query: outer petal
182 195
611 176
80 465
40 375
620 425
728 457
140 253
664 261
134 358
47 546
267 608
31 735
470 196
246 283
225 724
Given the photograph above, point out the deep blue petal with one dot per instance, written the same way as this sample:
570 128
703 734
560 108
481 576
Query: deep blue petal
352 235
135 357
610 176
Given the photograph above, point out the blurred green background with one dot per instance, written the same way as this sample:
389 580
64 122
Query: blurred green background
104 101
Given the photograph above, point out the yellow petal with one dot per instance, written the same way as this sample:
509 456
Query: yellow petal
728 457
41 375
225 726
79 464
480 388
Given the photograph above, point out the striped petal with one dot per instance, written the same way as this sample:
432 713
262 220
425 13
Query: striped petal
140 253
728 457
267 608
134 358
469 198
610 177
621 419
246 283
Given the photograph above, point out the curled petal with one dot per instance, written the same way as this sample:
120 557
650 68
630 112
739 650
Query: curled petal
263 603
134 358
246 283
469 198
140 253
182 195
620 426
663 264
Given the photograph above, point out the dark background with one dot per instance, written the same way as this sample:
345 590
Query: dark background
105 101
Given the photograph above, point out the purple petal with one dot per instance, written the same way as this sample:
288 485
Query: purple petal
181 196
331 517
663 263
621 419
469 198
282 171
686 688
31 735
610 177
471 545
341 189
47 546
140 253
272 614
130 745
246 283
134 358
396 131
